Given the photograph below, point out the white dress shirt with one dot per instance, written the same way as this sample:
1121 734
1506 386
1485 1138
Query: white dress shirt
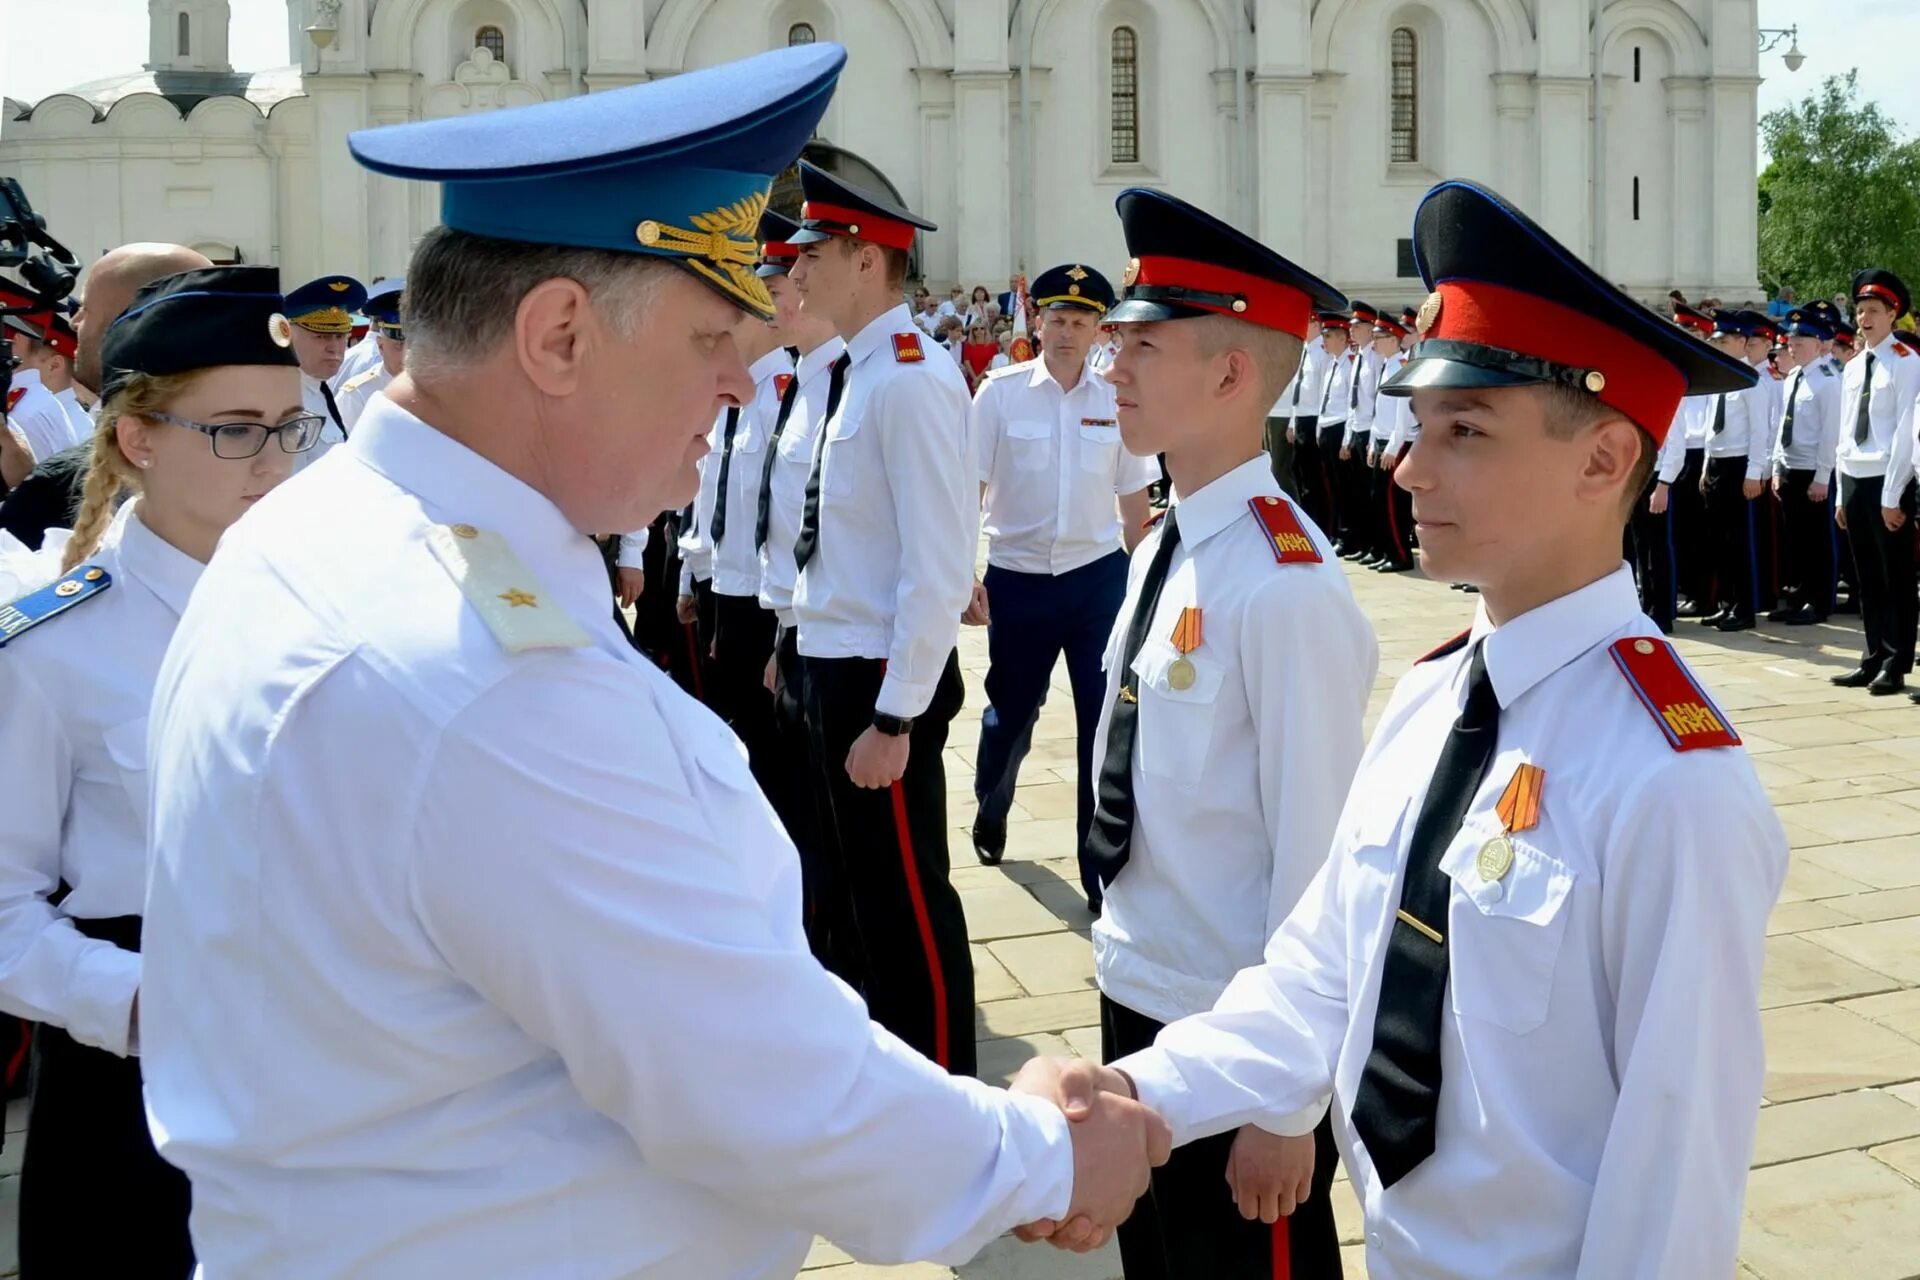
1394 426
1701 423
1601 1053
1336 390
38 416
78 419
899 518
793 460
314 401
469 961
1237 778
1814 392
736 561
1746 431
1052 462
1889 447
1362 391
1303 395
1690 423
696 549
73 750
357 392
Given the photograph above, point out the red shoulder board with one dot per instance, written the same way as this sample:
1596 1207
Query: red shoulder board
1154 519
1675 700
1289 541
13 397
1454 645
906 348
781 381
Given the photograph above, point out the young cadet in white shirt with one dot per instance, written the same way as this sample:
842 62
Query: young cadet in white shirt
390 345
1739 444
1529 973
44 345
1804 450
1691 542
694 606
1282 438
1237 676
321 313
1355 537
1876 460
472 947
1336 332
35 414
1063 502
1393 520
888 533
1653 526
196 446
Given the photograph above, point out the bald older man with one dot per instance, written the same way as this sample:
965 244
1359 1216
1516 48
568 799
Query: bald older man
47 497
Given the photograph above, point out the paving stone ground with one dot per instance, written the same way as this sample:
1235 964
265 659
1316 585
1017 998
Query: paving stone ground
1835 1189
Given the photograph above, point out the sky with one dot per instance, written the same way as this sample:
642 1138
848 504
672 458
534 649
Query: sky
49 45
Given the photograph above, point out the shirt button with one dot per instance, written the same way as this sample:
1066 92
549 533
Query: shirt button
1494 892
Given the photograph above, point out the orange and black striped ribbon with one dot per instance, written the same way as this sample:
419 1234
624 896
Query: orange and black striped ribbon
1186 632
1519 806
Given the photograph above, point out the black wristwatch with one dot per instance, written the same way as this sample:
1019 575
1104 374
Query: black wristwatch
892 726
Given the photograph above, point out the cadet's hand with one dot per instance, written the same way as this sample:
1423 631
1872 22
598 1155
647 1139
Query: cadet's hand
773 673
1894 518
630 583
1840 518
1373 459
683 610
1269 1175
1779 483
976 614
1115 1141
1290 435
1752 489
1657 500
1346 453
878 759
1816 493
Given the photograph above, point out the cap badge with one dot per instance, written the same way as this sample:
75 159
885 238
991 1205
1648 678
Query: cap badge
280 330
1132 272
1076 273
1074 290
1429 312
723 248
338 286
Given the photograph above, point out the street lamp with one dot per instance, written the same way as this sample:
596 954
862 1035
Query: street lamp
1770 38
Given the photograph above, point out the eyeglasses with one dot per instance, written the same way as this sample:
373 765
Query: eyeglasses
238 440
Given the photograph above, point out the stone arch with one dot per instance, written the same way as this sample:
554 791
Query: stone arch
63 110
395 24
228 115
1683 37
673 28
1030 18
142 114
1512 31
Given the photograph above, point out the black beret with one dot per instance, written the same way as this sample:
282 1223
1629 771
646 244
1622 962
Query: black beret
198 320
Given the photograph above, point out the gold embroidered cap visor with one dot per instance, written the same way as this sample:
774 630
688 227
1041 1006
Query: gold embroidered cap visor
677 168
325 320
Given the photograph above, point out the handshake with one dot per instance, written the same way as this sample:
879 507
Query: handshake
1116 1141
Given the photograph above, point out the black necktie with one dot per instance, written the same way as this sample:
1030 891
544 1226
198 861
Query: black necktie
1399 1094
1862 423
764 516
1353 389
1786 423
809 539
333 410
1110 838
717 527
1720 414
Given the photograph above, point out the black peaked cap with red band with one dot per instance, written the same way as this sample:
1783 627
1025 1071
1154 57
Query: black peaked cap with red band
777 250
1184 262
835 208
1883 286
1511 307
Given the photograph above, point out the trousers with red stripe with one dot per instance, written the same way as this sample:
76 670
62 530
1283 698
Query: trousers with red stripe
1187 1226
888 849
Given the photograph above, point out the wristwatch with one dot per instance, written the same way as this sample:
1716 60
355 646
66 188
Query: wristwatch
892 726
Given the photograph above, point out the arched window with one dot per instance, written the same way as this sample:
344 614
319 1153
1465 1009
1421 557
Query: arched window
1124 89
1405 143
801 33
493 40
186 27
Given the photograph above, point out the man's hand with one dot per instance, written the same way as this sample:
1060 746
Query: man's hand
1115 1141
1290 436
1840 518
1346 453
771 678
1269 1175
1816 493
1894 518
629 583
878 759
1373 459
1657 500
1752 489
1779 483
683 610
976 614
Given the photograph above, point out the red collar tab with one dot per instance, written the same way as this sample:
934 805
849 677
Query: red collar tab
1639 383
1256 299
838 220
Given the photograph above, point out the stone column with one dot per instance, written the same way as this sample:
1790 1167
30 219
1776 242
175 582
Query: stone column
616 43
941 178
1283 122
1513 99
340 209
1692 197
390 220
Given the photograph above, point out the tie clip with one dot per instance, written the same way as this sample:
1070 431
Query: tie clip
1429 932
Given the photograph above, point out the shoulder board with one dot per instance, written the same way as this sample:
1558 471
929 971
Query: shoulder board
1675 700
1290 542
1025 366
1902 348
360 380
1441 650
503 590
1154 519
29 611
13 397
781 381
907 349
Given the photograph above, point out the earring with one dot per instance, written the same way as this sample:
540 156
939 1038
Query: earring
146 462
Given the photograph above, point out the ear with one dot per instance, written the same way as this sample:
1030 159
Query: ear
1613 451
1235 373
135 438
550 329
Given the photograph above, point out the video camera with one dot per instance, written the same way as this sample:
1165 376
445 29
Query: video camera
43 269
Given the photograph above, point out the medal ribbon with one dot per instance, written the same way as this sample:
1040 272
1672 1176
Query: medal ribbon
1186 632
1519 806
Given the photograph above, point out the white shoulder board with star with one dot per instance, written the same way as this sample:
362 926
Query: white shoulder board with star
515 607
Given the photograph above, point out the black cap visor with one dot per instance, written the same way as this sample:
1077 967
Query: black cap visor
1440 364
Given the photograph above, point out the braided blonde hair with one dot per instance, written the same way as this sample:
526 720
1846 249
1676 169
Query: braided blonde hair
109 473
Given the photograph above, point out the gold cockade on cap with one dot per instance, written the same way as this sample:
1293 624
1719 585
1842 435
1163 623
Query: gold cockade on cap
724 248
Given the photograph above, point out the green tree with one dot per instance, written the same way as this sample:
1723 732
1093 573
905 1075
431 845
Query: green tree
1842 193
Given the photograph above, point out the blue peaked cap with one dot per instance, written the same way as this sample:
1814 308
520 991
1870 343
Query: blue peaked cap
676 168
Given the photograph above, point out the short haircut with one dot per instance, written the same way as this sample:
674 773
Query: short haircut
1276 355
1567 411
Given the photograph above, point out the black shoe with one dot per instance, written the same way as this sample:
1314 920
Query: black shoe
1783 614
1913 695
989 841
1715 618
1355 554
1470 589
1847 605
1887 682
1095 900
1371 561
1392 566
1858 678
1735 622
1805 616
1688 608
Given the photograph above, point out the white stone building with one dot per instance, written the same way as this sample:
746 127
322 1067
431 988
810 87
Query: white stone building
1315 124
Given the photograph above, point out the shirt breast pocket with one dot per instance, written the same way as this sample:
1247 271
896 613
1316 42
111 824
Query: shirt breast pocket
126 746
1505 930
1177 698
1029 444
839 469
1099 447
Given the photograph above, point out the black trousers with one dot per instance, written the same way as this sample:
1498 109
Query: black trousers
1810 545
1311 477
743 635
699 641
888 849
657 632
1654 560
831 934
1730 515
1356 498
1280 454
1329 437
1397 507
1884 560
95 1198
1693 558
1187 1226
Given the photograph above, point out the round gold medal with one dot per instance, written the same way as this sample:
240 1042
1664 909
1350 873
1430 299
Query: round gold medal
1496 858
1180 675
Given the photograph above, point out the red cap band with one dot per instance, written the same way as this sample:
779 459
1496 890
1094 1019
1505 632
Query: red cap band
779 249
1639 383
60 341
1881 293
858 225
1268 303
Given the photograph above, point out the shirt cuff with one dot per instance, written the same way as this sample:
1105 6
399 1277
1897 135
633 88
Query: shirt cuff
105 978
903 698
